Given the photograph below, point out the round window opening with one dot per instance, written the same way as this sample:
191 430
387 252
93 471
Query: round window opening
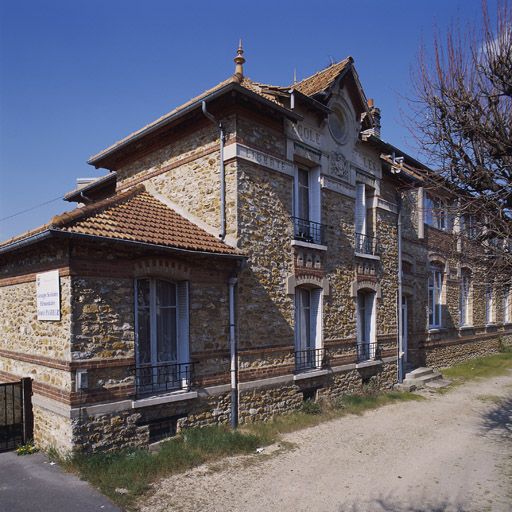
338 125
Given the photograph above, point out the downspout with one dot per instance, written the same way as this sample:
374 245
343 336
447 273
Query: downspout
222 233
232 350
400 362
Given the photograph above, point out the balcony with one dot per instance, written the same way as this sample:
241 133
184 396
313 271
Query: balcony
367 352
308 231
367 245
163 377
310 359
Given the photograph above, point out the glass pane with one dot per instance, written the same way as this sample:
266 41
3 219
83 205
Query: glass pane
143 293
144 337
165 293
166 335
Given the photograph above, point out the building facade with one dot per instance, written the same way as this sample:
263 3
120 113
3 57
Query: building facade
247 251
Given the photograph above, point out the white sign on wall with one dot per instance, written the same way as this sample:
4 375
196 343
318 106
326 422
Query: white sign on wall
48 295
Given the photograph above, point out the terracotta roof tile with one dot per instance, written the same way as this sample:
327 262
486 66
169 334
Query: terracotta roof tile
323 79
135 215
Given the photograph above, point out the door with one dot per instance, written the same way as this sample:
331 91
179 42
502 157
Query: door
404 327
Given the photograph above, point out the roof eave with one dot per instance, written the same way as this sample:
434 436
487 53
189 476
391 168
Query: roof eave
58 233
96 160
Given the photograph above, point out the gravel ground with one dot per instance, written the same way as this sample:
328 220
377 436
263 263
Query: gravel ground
451 452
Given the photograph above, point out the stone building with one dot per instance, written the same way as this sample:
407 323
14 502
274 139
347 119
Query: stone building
241 255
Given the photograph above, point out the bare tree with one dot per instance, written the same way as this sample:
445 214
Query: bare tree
463 122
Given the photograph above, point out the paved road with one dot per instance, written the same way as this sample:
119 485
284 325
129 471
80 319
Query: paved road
31 484
450 452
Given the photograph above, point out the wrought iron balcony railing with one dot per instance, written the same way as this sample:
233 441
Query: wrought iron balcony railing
310 359
367 244
367 351
308 231
162 377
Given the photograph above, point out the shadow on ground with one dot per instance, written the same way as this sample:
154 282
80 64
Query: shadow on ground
498 420
396 505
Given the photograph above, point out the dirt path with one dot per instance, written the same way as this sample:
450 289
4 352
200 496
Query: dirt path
451 452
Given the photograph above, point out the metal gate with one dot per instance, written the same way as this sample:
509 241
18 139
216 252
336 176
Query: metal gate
16 420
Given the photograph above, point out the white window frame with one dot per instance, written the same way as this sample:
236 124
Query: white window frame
437 220
315 214
465 298
489 305
315 310
435 295
507 304
370 319
182 322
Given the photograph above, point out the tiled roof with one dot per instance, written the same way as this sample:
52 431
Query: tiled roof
323 79
135 215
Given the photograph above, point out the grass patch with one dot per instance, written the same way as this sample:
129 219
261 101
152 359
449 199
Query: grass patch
493 399
125 475
308 416
481 367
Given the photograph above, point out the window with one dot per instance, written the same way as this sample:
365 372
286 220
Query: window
365 324
507 304
161 332
465 290
308 327
306 206
360 212
435 213
303 199
469 226
489 305
435 286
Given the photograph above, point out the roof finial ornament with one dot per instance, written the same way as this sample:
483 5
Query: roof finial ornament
294 76
239 61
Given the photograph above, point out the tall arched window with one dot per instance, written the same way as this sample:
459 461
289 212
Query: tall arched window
465 297
161 331
366 323
308 328
435 287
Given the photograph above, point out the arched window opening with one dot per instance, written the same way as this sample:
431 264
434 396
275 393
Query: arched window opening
161 335
309 352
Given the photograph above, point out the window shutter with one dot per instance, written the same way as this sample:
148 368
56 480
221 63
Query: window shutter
360 213
315 213
183 322
316 318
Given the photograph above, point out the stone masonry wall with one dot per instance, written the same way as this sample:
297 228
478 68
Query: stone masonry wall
265 233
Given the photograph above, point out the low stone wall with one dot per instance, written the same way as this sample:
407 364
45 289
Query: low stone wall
130 428
452 354
109 432
52 430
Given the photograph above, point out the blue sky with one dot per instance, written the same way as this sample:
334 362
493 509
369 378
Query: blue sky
75 76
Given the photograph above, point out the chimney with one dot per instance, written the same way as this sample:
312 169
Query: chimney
375 114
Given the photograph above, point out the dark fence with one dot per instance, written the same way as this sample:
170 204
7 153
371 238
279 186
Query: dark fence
367 244
368 351
161 377
16 421
308 231
310 359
